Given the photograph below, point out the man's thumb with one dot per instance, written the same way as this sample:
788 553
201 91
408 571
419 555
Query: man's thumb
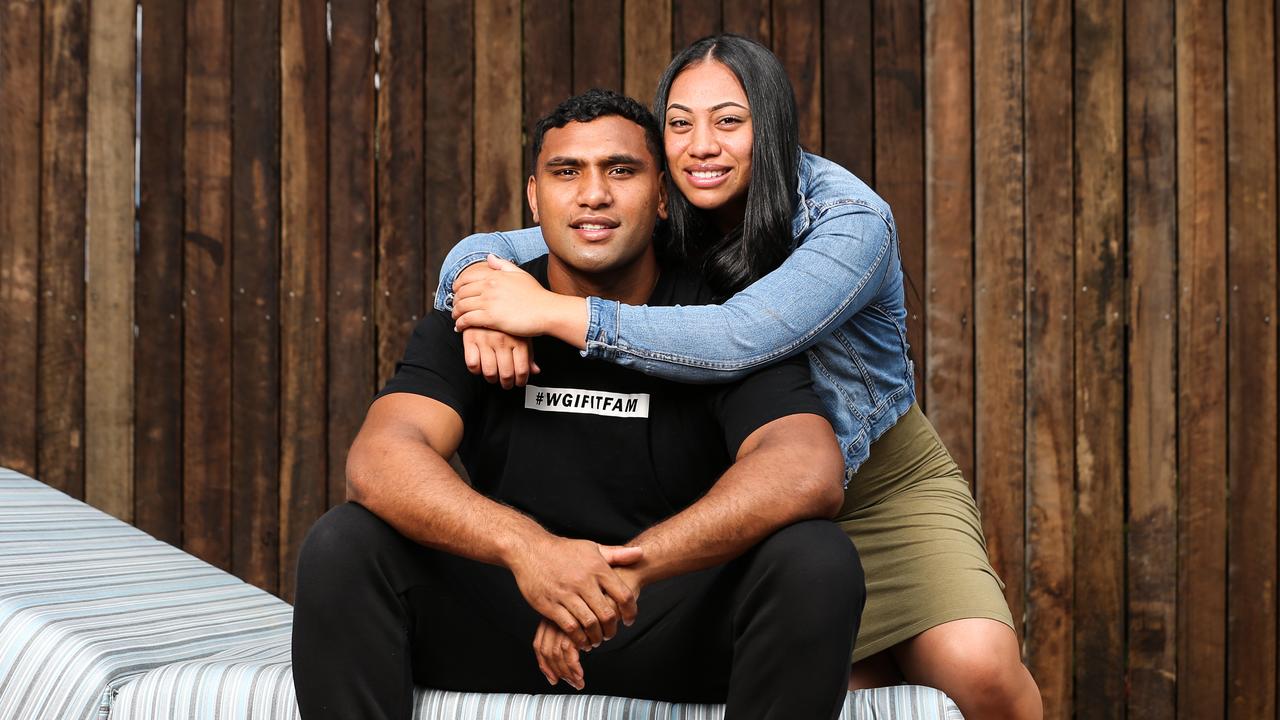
621 555
498 263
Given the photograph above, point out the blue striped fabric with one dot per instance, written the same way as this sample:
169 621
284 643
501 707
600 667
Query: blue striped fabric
100 621
88 602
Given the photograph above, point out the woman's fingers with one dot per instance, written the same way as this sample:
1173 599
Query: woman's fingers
489 363
506 368
520 359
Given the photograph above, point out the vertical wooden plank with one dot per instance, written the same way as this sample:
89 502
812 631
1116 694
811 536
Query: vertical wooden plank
109 308
998 261
1202 359
255 306
949 224
1050 424
157 349
1151 164
400 285
794 24
206 427
847 101
751 18
597 46
303 152
449 130
692 20
899 153
352 371
647 46
1099 377
499 199
1251 360
548 70
60 399
20 226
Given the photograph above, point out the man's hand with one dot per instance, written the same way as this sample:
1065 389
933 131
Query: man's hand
557 656
500 357
572 584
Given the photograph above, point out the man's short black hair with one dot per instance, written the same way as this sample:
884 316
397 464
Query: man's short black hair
597 103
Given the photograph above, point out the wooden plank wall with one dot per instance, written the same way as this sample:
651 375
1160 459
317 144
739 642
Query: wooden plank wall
1086 202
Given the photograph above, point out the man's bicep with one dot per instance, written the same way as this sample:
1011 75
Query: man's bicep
801 431
415 418
779 391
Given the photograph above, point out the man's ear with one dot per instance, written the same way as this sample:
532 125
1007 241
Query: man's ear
662 195
531 192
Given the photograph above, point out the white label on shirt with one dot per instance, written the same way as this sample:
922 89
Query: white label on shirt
587 402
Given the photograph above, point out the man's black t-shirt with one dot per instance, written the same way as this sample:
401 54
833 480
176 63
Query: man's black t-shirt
590 449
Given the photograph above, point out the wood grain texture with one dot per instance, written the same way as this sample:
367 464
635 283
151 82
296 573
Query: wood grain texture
304 492
1050 423
1202 359
847 100
449 133
351 220
109 303
999 285
646 28
548 70
692 20
60 395
1099 340
499 199
20 227
157 349
255 305
751 18
1151 162
206 426
1251 360
793 43
899 154
949 352
597 46
400 286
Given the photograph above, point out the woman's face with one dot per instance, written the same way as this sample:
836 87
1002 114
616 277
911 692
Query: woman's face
707 134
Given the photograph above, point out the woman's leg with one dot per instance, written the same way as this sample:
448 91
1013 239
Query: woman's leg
977 662
879 670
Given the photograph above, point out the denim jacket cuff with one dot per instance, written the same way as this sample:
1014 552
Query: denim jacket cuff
602 329
444 293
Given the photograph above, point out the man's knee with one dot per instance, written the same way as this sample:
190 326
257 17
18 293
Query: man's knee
341 545
813 563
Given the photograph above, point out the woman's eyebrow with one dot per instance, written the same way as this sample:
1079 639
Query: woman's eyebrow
721 106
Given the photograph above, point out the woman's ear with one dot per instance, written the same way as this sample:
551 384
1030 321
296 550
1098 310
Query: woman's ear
531 192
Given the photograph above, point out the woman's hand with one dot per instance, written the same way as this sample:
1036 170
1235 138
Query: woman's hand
500 357
510 300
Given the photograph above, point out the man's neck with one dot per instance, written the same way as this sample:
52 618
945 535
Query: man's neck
631 285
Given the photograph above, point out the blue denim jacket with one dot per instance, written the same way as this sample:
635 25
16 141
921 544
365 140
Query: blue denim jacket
838 297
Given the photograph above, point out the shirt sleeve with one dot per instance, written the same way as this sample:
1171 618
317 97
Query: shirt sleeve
777 391
433 366
848 261
518 246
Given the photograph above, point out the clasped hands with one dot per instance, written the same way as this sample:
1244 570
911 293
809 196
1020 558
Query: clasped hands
582 590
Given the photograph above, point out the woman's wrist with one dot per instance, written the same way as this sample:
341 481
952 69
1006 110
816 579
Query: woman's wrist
568 320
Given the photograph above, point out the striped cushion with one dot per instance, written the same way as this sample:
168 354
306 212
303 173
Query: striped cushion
99 620
88 602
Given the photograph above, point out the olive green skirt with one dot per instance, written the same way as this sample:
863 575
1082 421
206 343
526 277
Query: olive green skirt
912 516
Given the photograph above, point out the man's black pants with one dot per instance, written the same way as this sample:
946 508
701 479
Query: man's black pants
770 633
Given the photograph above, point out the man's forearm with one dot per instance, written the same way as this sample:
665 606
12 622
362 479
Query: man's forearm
414 490
760 494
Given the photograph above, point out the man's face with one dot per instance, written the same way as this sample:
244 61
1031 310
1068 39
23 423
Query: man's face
597 193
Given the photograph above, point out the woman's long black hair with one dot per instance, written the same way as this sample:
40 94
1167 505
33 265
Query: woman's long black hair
763 239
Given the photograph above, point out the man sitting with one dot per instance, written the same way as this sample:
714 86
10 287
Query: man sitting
668 532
